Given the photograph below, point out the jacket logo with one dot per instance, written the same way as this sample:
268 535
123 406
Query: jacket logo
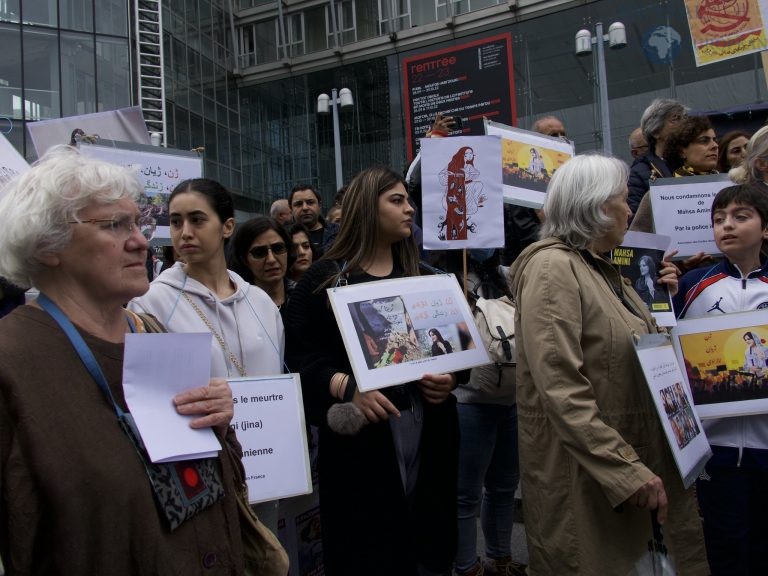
716 306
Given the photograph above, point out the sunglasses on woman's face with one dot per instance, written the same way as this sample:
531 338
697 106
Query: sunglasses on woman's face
260 252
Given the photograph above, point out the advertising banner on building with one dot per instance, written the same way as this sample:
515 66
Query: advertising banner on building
724 30
469 81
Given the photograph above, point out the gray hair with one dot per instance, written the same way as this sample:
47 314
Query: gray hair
757 147
39 203
274 210
576 194
655 115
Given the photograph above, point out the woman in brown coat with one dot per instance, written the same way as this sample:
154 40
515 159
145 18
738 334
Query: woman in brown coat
593 455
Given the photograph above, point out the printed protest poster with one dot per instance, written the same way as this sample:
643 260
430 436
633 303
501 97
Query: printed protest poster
461 193
639 259
269 423
395 331
723 30
528 161
159 170
682 210
469 81
672 399
11 163
725 362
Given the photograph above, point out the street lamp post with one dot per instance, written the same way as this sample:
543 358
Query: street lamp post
342 98
616 38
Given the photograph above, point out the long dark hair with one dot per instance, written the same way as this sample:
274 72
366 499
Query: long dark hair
217 196
690 129
359 232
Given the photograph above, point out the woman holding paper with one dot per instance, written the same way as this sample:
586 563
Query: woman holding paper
593 454
75 496
200 294
387 458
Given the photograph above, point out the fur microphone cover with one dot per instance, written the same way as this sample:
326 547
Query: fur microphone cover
346 419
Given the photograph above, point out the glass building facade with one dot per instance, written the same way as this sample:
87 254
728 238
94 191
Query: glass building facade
242 77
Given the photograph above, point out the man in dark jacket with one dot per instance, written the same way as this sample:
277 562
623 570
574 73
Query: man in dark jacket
658 122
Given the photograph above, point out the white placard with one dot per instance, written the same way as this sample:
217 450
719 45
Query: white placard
11 163
639 259
672 399
159 170
528 160
395 331
461 192
726 374
682 210
269 423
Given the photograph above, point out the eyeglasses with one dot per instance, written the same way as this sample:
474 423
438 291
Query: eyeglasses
260 252
120 226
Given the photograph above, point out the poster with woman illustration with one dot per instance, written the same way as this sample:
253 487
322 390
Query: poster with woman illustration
461 192
528 161
639 259
726 362
396 331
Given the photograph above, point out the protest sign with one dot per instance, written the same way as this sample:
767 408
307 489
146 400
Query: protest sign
269 423
461 193
725 362
11 163
395 331
672 399
528 161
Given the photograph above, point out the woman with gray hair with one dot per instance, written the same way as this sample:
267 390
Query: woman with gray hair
593 455
659 121
754 169
78 494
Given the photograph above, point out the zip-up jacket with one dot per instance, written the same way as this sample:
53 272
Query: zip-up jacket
724 289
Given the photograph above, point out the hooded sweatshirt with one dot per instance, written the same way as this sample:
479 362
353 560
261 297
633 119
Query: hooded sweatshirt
248 321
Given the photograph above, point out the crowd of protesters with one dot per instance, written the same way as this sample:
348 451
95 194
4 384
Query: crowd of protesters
400 490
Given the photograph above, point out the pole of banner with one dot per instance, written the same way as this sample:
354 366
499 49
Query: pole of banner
764 56
466 277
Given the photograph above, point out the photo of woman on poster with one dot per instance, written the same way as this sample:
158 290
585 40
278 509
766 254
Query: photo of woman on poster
439 345
646 285
755 353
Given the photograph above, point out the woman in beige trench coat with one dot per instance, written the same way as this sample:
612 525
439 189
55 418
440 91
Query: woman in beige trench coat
593 456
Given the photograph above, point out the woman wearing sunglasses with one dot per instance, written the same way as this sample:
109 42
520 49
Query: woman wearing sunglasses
200 294
262 255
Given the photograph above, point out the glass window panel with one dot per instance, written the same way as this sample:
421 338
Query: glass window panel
9 11
170 132
13 130
41 74
316 35
266 42
39 12
113 73
208 80
76 14
195 77
78 74
10 72
183 134
112 17
223 146
211 169
196 103
367 14
196 131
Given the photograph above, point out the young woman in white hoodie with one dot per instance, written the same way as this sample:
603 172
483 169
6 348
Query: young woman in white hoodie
200 294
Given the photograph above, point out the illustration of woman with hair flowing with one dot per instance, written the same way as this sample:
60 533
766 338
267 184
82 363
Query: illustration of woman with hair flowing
463 195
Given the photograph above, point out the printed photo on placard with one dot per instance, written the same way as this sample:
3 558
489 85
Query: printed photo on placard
725 359
639 258
396 331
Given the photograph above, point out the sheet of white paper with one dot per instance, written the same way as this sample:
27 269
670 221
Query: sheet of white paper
156 367
269 423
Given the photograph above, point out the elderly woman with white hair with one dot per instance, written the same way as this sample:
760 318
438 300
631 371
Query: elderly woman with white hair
754 169
78 494
593 455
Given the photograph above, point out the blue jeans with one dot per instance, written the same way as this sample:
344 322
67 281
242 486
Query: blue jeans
487 459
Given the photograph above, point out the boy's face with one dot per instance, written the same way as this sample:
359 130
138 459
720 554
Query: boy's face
739 232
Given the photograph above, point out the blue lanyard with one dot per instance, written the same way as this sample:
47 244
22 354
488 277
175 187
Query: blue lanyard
82 349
